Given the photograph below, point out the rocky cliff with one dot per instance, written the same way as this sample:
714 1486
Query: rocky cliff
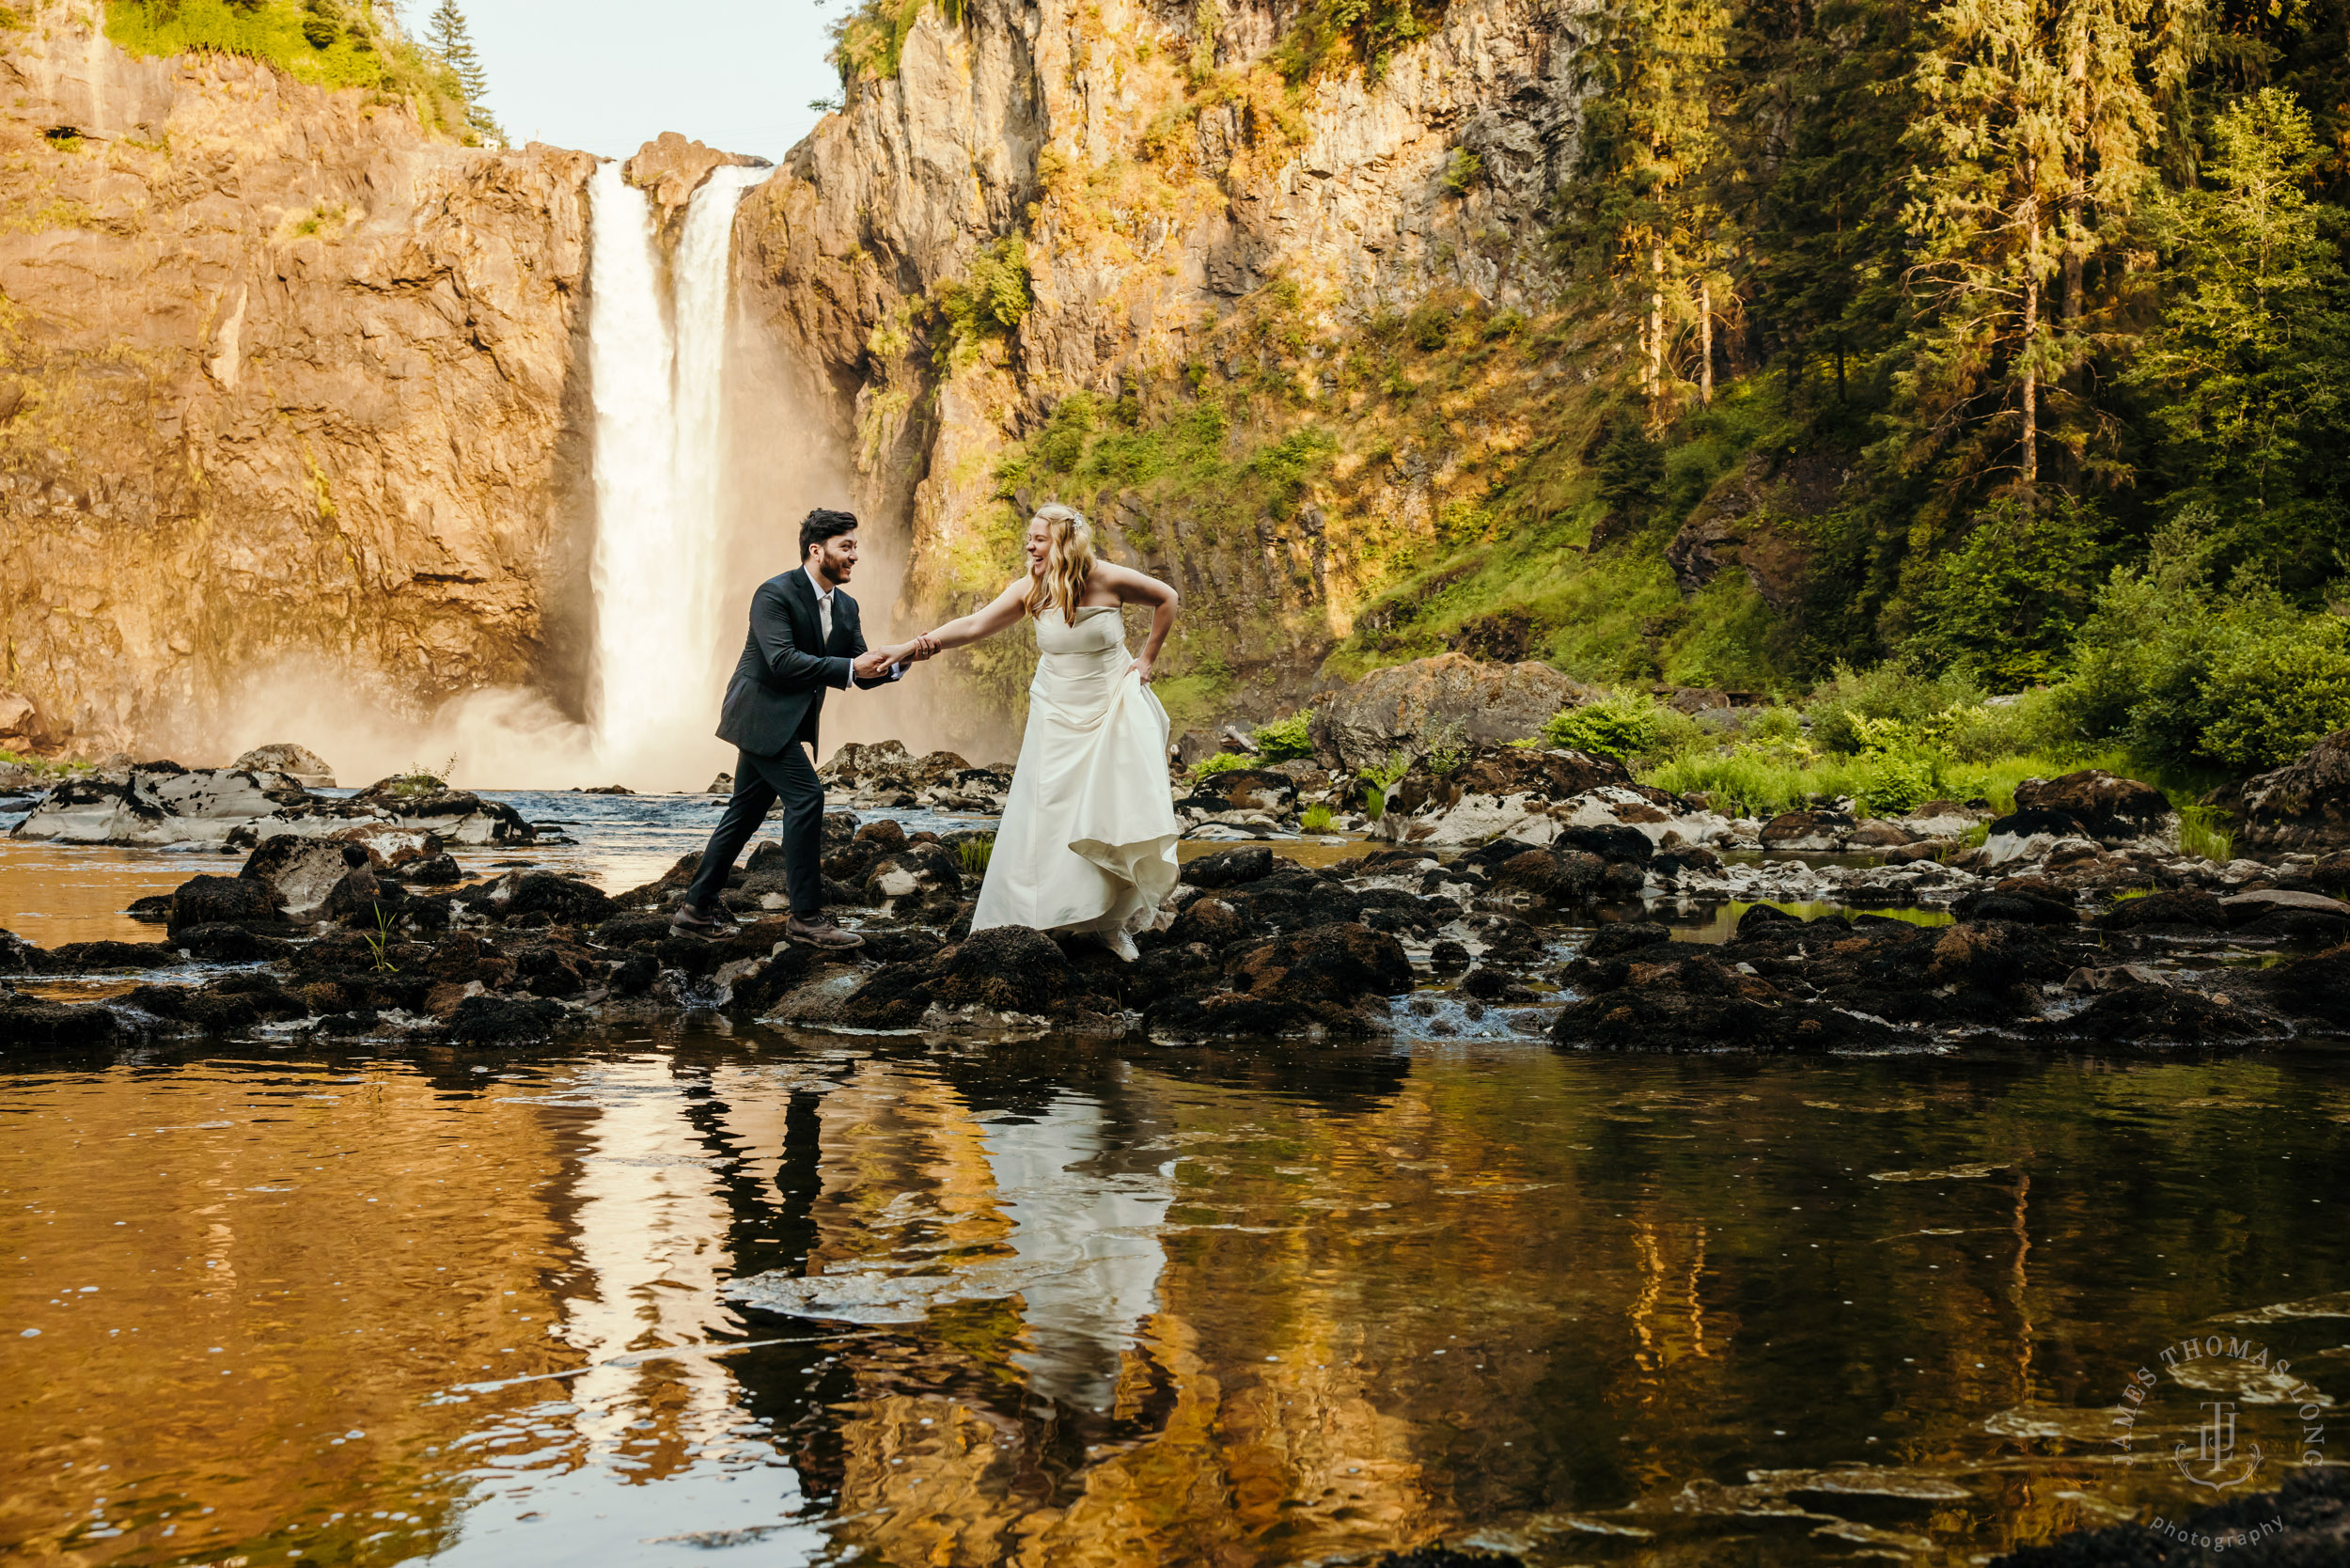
1247 282
287 383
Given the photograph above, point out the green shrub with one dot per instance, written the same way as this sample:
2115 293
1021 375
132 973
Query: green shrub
1222 761
1620 726
2272 698
974 855
2186 674
989 301
2005 603
1897 689
1317 818
1888 784
1284 739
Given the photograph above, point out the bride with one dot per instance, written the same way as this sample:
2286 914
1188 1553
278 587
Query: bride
1088 839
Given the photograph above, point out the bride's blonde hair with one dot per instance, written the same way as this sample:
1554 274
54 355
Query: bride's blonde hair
1068 561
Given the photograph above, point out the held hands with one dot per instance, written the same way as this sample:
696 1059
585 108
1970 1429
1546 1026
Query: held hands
877 662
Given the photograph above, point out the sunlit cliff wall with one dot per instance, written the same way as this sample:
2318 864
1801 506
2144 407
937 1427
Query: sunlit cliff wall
286 393
1211 229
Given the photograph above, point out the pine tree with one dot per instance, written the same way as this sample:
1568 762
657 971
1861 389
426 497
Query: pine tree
452 41
1643 221
2249 359
2039 123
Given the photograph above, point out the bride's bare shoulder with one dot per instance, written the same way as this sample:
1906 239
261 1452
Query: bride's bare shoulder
1123 581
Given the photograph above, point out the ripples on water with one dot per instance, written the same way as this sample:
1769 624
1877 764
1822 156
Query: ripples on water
1114 1305
1130 1304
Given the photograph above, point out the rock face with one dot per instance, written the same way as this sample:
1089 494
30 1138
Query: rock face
1173 201
300 763
2304 805
160 803
1451 699
286 381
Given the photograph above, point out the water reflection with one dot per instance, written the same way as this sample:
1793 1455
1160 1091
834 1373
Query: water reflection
1130 1305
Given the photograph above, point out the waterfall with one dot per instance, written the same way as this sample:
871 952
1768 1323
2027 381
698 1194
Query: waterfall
657 365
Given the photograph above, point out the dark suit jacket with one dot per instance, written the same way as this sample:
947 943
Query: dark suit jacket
779 685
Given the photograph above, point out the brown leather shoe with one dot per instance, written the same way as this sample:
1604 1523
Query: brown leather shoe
689 917
821 933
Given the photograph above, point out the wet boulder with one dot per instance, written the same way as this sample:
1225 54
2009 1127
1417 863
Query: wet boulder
2162 1015
1807 830
18 956
206 900
1295 898
2109 808
2313 990
92 957
1005 971
230 944
1514 792
299 763
2025 835
1173 969
303 870
1229 868
504 1021
917 877
1246 790
161 803
2179 912
1341 964
664 891
2261 907
2028 900
2304 805
563 900
28 1023
435 870
1697 1003
1211 922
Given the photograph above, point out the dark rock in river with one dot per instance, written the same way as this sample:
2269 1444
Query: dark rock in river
1214 921
504 1021
27 1023
2303 1524
2183 910
1004 969
1245 789
2025 898
1229 868
565 899
206 900
1807 830
2110 808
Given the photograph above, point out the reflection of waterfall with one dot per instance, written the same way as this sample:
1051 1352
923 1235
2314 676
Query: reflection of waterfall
660 554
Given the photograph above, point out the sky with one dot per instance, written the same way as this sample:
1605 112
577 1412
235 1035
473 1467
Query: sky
609 75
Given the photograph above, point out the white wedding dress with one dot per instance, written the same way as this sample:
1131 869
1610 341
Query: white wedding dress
1088 839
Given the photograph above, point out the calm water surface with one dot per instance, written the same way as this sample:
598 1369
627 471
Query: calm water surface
1112 1304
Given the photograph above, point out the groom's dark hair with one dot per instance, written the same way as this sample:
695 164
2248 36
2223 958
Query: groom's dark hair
823 524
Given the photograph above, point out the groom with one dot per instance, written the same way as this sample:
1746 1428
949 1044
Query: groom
805 637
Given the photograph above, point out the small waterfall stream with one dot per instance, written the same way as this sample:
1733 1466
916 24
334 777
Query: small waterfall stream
657 365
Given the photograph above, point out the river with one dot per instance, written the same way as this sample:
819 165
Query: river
1056 1301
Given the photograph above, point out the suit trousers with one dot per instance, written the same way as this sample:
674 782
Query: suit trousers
758 781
